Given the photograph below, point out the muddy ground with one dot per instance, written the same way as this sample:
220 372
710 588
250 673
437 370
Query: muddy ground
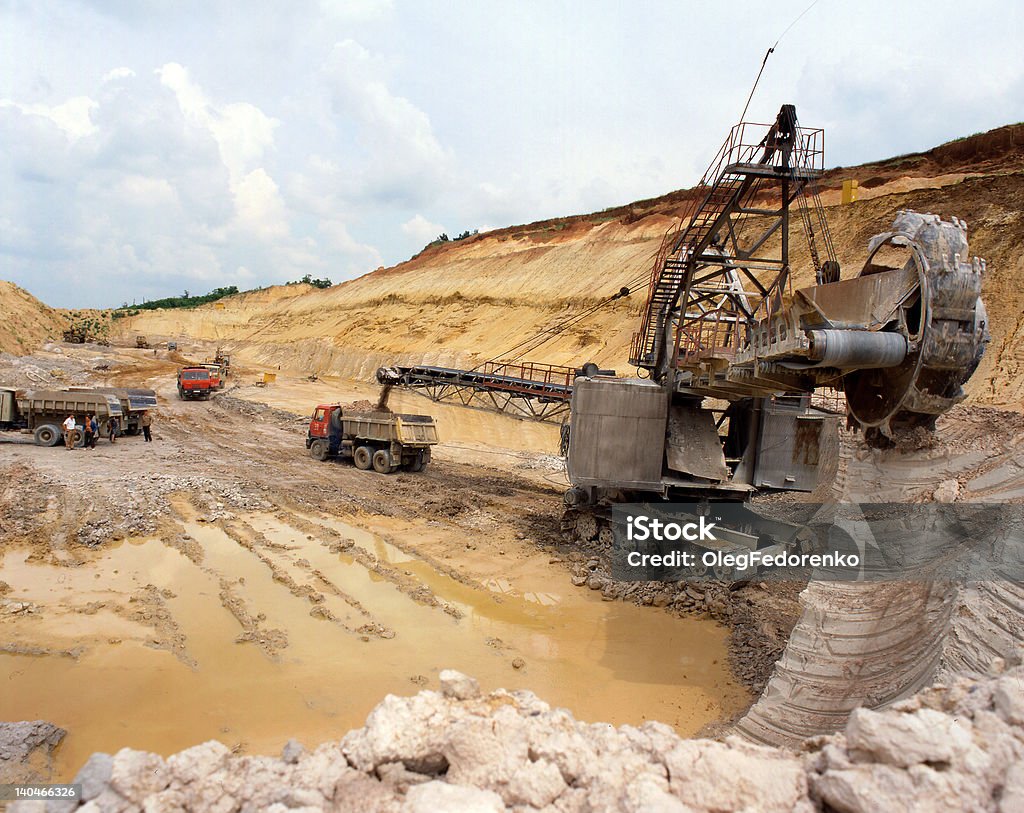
219 583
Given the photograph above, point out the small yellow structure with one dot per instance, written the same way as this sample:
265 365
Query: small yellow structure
218 306
849 191
269 378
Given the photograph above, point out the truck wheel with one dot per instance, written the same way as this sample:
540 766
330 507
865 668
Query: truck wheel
382 461
417 463
319 450
363 457
47 435
133 429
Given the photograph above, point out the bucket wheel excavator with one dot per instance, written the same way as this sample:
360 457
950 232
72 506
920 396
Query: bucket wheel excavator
735 363
733 359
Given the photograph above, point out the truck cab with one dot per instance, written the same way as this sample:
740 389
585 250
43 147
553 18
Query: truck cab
319 423
194 382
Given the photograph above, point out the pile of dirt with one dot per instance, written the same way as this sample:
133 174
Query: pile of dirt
56 370
961 746
361 406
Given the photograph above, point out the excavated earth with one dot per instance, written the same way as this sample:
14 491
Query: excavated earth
219 586
219 583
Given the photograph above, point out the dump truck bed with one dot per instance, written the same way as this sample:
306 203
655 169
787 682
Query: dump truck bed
58 401
136 399
409 430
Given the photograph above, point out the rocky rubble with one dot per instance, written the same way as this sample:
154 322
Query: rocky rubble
260 411
26 750
950 748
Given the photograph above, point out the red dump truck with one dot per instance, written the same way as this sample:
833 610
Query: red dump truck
387 441
195 382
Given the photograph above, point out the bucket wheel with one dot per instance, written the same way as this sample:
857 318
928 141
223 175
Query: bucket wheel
945 324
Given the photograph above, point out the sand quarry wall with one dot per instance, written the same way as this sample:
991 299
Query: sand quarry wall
25 322
464 302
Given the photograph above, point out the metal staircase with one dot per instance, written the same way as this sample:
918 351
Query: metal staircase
710 265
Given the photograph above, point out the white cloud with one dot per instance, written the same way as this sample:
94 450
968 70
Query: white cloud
421 230
118 73
242 131
356 10
405 162
260 210
73 117
139 190
358 257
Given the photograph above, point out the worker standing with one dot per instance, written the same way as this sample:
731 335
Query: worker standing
89 436
94 425
147 424
111 428
69 432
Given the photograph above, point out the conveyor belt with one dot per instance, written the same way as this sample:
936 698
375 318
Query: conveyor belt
537 391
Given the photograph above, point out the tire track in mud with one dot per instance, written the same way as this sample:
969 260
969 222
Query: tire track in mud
263 549
405 582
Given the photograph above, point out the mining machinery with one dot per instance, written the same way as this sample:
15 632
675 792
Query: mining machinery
729 354
732 359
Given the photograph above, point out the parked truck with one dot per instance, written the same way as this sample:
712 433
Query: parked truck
134 401
195 382
42 412
217 373
387 441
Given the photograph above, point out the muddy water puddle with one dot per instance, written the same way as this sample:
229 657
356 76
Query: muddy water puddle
272 630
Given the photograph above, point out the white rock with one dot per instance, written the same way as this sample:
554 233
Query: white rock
708 775
291 752
947 491
458 686
1009 699
1012 800
94 776
437 796
476 754
535 783
866 789
410 730
902 740
137 774
198 762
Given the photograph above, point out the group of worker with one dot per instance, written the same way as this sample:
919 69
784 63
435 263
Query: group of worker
91 428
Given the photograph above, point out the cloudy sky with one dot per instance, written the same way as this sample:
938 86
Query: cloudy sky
149 147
